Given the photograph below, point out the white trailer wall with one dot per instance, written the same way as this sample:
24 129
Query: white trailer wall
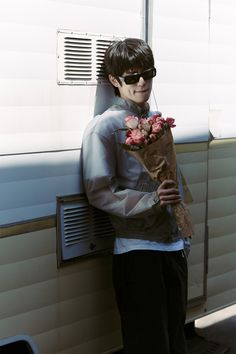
37 115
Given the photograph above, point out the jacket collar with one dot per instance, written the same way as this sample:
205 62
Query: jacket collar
133 107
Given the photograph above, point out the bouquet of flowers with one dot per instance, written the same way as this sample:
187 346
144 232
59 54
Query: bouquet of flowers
150 141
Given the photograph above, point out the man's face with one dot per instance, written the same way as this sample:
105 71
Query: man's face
138 92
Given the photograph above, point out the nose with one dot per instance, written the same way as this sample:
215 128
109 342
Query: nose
141 81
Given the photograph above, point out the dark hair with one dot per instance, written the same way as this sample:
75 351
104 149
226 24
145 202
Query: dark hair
131 53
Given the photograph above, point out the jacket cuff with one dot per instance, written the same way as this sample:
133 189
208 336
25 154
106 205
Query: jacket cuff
156 198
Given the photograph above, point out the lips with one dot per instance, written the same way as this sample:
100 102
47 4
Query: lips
143 91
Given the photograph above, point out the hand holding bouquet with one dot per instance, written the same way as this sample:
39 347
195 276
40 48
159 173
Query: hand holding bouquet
150 141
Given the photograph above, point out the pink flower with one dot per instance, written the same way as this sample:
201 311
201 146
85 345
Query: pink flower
160 120
144 124
131 122
152 137
156 116
129 141
150 120
170 122
137 136
157 127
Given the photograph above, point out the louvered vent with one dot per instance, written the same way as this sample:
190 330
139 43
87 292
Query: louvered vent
80 58
81 229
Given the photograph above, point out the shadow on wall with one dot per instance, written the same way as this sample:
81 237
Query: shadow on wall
104 98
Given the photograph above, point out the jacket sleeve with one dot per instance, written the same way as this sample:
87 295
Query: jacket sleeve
100 182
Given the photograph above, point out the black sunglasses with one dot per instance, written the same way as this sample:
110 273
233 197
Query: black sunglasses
134 78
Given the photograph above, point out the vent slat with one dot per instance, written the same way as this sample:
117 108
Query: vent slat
85 72
79 48
74 75
74 56
74 78
78 64
81 56
81 226
75 210
79 51
81 39
73 228
76 215
77 221
78 44
75 242
76 237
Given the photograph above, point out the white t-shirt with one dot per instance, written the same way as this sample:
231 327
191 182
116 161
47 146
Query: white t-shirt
123 245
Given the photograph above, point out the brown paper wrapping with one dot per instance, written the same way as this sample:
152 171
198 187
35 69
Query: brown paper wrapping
159 159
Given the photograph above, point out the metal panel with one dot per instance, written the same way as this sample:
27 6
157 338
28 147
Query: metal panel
181 46
222 223
62 309
29 184
37 114
192 159
222 73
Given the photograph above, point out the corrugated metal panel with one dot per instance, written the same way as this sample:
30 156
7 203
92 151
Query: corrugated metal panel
29 184
62 310
38 114
222 54
222 223
192 160
181 45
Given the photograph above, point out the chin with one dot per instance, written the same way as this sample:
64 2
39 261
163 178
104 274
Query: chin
143 100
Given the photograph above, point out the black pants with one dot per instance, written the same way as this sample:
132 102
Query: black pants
151 293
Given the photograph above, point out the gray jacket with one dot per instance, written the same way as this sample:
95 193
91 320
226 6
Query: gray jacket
118 184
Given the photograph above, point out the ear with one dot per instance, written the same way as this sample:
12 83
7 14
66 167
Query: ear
113 81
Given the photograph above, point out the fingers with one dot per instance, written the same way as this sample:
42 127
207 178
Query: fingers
168 193
168 183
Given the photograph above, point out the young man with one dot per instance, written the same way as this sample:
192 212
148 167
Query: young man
149 264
